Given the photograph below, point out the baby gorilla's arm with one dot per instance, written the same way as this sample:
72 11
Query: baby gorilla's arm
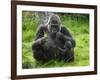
62 50
67 47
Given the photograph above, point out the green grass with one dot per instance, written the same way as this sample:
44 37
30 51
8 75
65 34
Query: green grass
78 27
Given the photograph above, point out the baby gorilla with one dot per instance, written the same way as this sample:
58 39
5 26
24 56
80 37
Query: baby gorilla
58 44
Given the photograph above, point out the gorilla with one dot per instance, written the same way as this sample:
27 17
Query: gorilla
57 44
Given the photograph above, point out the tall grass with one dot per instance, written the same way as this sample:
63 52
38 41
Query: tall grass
77 24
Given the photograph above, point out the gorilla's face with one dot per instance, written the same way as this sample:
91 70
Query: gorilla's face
54 25
54 28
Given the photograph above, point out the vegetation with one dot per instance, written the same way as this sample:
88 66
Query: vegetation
77 24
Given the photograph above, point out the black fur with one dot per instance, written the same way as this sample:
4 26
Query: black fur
58 44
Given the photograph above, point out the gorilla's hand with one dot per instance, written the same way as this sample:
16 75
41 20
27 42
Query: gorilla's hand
40 41
44 39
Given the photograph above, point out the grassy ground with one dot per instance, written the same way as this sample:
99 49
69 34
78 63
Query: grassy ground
78 27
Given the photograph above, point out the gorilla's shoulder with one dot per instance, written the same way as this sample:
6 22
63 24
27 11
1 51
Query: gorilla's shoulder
63 29
43 27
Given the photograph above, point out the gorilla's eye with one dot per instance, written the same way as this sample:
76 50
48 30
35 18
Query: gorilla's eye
54 26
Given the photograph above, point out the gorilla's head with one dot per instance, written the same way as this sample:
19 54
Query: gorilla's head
54 24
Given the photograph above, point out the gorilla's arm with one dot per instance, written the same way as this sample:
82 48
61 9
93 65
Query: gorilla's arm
40 32
40 39
68 36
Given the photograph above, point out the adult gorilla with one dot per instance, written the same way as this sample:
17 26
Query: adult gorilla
58 44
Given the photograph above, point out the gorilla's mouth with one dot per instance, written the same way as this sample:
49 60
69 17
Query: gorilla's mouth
54 28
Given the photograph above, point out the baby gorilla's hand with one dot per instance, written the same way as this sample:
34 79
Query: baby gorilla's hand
68 44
